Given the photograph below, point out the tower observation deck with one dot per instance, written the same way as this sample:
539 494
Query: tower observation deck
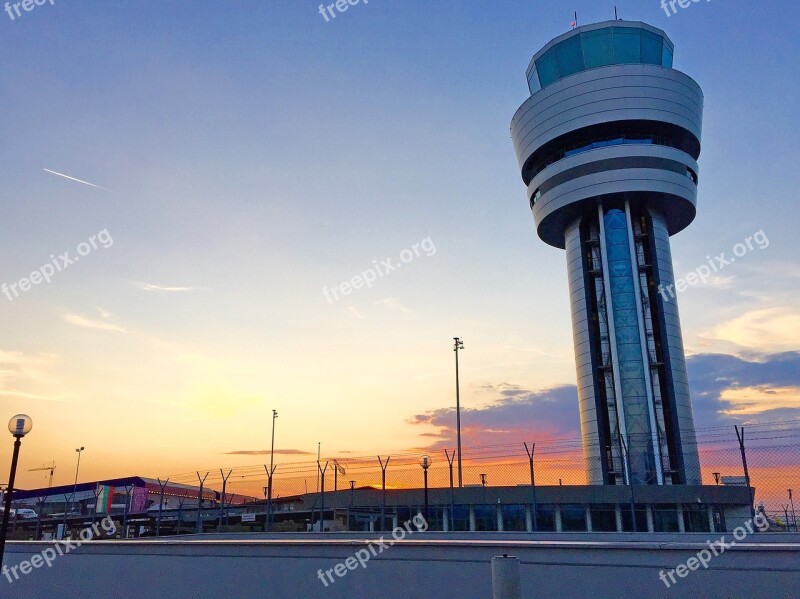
608 145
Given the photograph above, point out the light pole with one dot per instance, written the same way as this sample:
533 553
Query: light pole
458 345
19 426
794 517
271 472
79 451
425 462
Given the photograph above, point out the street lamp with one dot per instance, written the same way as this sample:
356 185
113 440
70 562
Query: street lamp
458 345
19 426
426 462
79 451
794 517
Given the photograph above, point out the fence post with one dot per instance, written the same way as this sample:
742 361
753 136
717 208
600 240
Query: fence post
450 460
740 437
200 502
322 495
505 578
383 484
268 523
530 453
160 505
627 458
222 504
128 490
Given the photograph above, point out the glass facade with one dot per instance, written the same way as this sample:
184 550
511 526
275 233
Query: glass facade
599 48
630 362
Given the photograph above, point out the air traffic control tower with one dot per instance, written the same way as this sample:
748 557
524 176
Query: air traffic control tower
607 145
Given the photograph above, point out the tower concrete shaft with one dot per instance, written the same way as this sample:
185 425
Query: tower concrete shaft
608 145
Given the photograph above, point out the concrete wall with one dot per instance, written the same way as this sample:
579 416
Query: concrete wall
422 566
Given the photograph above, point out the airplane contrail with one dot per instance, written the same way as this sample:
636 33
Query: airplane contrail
74 179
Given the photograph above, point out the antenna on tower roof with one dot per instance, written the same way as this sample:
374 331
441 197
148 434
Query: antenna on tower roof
616 17
575 22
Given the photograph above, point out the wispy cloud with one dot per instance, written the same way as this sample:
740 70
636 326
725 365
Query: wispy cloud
74 179
266 452
29 377
355 312
87 323
391 304
164 289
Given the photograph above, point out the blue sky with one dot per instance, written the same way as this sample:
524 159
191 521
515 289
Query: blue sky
255 154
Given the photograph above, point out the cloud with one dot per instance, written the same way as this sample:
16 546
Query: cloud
761 330
267 452
162 289
29 377
726 390
353 311
515 415
731 390
87 323
391 304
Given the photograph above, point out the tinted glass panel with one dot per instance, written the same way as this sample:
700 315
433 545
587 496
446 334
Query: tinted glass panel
570 56
627 45
573 518
665 518
545 518
604 518
547 67
514 517
598 48
666 56
651 48
533 81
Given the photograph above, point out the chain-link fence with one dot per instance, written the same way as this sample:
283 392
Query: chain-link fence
771 451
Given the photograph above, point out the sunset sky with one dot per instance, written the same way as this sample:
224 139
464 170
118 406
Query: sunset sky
245 156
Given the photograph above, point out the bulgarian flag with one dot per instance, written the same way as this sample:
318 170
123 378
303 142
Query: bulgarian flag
105 495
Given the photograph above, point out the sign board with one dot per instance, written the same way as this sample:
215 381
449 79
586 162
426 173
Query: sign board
248 517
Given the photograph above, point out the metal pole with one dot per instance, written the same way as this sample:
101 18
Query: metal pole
427 519
268 493
630 481
383 486
450 458
9 492
160 505
222 505
458 345
200 502
271 472
794 516
505 578
530 453
127 508
77 468
746 471
39 517
322 495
